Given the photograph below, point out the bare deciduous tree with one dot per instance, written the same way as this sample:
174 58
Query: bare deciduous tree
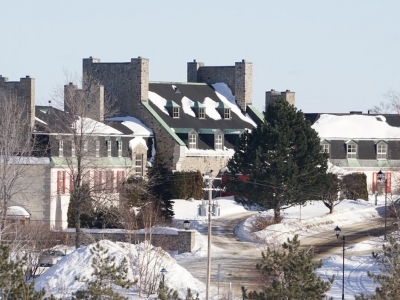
390 105
16 148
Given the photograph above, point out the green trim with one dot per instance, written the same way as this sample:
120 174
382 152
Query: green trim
162 123
353 163
208 131
183 130
171 103
222 105
92 161
383 163
198 104
233 131
255 113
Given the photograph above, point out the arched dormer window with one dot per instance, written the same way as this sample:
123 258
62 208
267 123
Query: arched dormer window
351 149
381 150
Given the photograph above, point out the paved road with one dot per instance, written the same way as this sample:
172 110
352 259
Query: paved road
238 259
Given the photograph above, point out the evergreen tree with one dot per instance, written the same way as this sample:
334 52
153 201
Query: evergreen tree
290 274
12 283
282 158
106 273
389 276
331 185
160 185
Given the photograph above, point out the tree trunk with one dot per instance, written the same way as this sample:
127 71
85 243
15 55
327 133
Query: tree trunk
277 209
77 219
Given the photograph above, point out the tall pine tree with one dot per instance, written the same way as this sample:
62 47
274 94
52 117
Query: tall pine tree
282 158
290 274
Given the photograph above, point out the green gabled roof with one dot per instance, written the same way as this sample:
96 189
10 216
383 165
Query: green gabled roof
198 104
162 123
383 163
233 131
222 105
254 113
183 130
208 131
171 103
93 161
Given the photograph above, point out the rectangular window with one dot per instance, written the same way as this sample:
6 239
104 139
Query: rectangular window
85 146
61 178
120 180
109 181
202 114
382 151
227 113
72 149
351 151
175 114
139 165
98 182
109 148
97 148
324 148
218 142
60 148
119 148
192 141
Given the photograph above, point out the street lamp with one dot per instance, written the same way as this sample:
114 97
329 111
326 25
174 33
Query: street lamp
382 178
163 271
186 224
337 232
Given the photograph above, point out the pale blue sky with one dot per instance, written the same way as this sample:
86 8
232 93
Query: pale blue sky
336 55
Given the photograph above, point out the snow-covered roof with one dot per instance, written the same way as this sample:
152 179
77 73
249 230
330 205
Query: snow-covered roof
355 127
17 211
90 126
134 124
137 141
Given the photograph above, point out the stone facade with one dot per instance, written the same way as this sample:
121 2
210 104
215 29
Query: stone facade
271 96
183 241
125 84
23 91
239 78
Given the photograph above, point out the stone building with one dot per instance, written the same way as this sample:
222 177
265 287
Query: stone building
196 124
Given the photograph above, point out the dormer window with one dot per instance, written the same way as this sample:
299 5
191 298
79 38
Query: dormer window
173 109
325 147
218 142
381 150
109 148
192 141
352 150
119 148
60 148
202 113
227 113
97 148
224 110
175 113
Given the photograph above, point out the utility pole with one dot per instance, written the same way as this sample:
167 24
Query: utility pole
209 237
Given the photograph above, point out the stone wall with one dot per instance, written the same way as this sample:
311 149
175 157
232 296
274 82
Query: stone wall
182 242
243 84
23 91
271 96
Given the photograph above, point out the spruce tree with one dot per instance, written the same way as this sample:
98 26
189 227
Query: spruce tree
12 283
106 272
160 185
282 158
290 274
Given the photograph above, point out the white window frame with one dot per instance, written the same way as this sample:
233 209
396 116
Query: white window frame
381 151
85 146
325 148
60 148
72 149
202 113
218 142
97 148
139 164
119 148
351 151
175 112
109 148
192 141
227 113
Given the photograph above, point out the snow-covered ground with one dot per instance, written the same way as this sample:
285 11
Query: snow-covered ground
311 219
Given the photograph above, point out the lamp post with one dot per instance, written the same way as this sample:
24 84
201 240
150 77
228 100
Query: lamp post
163 271
186 225
337 232
382 178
